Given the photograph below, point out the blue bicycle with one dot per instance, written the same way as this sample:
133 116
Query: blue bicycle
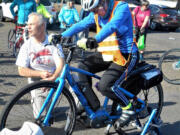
57 113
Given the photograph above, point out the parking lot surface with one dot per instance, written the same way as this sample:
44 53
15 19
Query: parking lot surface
157 43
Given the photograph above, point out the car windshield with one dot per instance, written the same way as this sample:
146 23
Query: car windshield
64 1
45 2
170 11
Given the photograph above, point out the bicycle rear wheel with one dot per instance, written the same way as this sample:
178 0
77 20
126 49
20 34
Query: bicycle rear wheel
154 99
169 64
11 37
21 108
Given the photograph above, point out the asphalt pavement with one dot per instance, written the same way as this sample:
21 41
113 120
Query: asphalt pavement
157 43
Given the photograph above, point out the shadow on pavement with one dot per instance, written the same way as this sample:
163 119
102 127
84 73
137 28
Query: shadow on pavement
7 62
1 25
169 103
2 96
6 54
11 76
171 128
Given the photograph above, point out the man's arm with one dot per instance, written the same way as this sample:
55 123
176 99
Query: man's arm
27 72
59 67
46 14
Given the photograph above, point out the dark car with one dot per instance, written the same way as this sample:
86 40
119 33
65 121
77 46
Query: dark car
164 17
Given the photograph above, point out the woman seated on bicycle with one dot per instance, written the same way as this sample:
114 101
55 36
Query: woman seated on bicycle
68 15
117 53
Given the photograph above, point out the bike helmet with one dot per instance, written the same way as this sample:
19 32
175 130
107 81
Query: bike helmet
89 4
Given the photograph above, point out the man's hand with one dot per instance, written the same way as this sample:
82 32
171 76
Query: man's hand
45 74
64 24
82 43
54 39
91 43
87 43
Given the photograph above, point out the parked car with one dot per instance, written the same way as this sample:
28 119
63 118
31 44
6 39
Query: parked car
168 3
6 13
164 17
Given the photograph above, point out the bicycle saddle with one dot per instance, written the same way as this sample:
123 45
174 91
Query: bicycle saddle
28 128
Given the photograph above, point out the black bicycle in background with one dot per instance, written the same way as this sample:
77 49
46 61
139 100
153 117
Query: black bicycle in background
169 64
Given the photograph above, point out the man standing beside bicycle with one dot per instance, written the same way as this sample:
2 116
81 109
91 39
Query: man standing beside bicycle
37 59
116 54
25 7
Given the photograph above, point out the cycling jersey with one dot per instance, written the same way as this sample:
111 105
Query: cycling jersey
121 23
24 9
68 16
42 10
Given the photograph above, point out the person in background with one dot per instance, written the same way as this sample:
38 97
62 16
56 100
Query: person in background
25 7
83 14
68 15
38 60
141 17
178 6
42 10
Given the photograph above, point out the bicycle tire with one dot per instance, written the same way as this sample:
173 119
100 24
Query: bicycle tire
11 38
169 59
153 99
19 109
153 131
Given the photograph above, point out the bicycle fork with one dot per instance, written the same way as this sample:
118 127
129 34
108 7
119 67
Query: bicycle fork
54 100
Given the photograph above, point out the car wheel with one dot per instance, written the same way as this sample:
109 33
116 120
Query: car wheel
2 19
153 25
172 29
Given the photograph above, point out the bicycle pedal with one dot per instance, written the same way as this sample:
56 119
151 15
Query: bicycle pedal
137 126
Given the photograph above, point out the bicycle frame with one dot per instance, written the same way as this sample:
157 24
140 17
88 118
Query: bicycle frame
61 81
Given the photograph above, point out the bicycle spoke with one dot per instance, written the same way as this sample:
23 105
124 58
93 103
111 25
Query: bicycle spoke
26 104
170 66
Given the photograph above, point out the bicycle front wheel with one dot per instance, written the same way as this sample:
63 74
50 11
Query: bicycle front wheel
11 38
17 46
169 64
24 106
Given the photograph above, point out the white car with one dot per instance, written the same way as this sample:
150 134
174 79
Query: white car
168 3
6 13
